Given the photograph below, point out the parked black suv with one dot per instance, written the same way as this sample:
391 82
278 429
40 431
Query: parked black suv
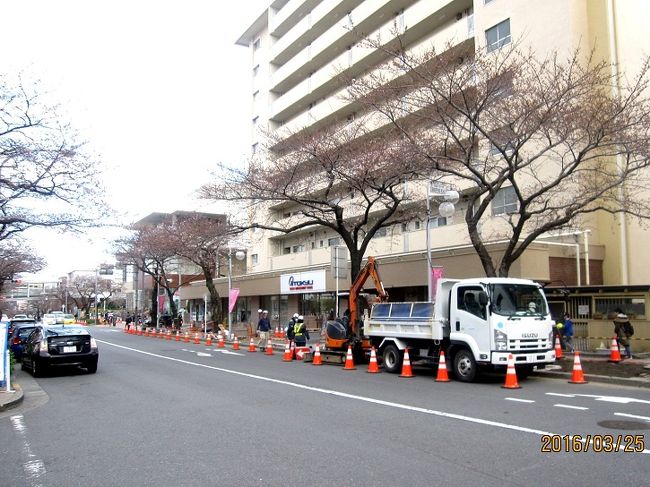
52 345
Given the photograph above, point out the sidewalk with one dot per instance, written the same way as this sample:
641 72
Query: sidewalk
10 399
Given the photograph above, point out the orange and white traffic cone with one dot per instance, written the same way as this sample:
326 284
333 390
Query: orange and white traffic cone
615 355
208 340
146 332
178 336
373 366
276 333
317 360
153 333
221 343
442 375
251 346
269 347
169 335
186 338
577 377
235 344
287 353
197 340
127 329
349 360
511 375
558 349
406 365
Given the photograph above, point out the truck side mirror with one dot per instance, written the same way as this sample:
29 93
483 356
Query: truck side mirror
482 298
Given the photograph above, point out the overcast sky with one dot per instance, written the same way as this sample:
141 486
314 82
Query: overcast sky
157 88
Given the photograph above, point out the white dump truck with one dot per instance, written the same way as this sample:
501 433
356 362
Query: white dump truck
477 322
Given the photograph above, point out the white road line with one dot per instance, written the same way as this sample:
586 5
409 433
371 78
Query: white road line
567 406
396 405
34 468
517 399
560 395
645 418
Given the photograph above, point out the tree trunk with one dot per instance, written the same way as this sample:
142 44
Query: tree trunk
154 306
215 299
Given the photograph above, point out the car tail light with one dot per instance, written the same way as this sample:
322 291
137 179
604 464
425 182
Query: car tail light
93 344
16 341
43 346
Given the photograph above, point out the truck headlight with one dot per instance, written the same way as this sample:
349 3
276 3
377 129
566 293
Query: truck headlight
500 340
550 338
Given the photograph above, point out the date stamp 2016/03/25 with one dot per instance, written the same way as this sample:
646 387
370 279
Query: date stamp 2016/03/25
592 443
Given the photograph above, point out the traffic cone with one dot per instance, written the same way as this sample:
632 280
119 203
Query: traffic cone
235 344
577 377
153 333
197 341
221 342
138 331
349 361
373 367
126 329
442 369
146 332
251 345
276 334
186 338
178 336
287 353
615 356
406 365
317 360
511 375
169 335
208 340
269 347
162 334
558 349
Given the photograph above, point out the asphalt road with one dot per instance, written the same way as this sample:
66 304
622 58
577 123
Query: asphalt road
167 413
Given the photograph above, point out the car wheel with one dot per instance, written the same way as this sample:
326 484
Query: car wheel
392 358
92 367
38 369
465 366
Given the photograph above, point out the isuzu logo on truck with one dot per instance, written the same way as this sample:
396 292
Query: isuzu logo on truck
529 335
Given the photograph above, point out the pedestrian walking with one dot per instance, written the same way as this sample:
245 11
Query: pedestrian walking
263 328
567 332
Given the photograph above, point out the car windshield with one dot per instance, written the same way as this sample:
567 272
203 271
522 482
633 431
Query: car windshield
65 330
24 331
517 300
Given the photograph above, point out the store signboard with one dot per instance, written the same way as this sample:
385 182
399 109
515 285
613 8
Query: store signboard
303 282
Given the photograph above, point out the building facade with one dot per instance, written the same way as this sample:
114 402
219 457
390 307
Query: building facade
302 50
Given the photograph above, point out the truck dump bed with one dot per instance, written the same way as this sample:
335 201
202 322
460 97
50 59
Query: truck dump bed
406 320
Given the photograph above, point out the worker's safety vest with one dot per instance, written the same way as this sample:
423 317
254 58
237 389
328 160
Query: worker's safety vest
297 329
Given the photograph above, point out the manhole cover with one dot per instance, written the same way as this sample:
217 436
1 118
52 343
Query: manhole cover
624 425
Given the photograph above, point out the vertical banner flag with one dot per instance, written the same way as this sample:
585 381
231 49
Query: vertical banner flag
436 274
161 303
232 299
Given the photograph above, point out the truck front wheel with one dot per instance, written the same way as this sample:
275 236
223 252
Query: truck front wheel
465 368
392 359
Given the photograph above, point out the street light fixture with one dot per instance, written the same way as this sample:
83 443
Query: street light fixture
239 255
446 208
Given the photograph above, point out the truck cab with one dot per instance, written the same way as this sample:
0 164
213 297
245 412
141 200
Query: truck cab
491 318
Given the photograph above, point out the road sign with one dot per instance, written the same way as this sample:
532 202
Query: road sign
339 262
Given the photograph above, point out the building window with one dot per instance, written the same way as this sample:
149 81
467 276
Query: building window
498 36
417 225
405 227
298 248
439 221
487 1
255 259
505 202
286 250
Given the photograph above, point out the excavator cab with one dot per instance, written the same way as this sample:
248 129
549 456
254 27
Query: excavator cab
337 333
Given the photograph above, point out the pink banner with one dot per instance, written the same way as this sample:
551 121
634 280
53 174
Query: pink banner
436 274
232 299
161 303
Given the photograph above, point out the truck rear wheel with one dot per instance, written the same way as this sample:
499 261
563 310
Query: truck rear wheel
465 368
392 358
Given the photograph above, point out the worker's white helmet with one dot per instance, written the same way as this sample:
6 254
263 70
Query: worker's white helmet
295 315
300 318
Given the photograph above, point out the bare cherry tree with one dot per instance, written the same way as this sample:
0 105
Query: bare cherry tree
16 258
82 289
47 177
535 143
345 178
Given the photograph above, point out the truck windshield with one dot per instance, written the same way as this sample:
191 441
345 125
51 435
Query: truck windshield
517 300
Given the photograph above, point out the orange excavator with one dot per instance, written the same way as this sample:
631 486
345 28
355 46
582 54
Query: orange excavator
339 334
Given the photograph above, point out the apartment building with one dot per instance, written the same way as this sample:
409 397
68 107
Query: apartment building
301 51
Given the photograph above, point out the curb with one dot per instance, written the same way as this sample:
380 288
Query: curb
12 399
605 379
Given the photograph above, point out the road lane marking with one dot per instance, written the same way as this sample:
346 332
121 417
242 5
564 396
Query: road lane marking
34 468
567 406
330 392
518 400
598 397
559 395
632 416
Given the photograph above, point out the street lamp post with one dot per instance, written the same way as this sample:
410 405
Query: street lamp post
239 255
446 201
96 304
